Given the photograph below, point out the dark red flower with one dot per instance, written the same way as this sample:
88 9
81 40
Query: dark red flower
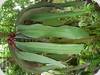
11 39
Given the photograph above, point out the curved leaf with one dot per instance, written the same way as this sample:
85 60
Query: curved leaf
48 16
38 31
50 47
38 58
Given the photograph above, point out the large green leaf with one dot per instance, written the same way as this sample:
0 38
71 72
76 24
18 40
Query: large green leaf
19 57
38 31
38 58
50 47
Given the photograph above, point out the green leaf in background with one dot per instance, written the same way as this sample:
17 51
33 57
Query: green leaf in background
68 4
5 54
38 31
50 47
